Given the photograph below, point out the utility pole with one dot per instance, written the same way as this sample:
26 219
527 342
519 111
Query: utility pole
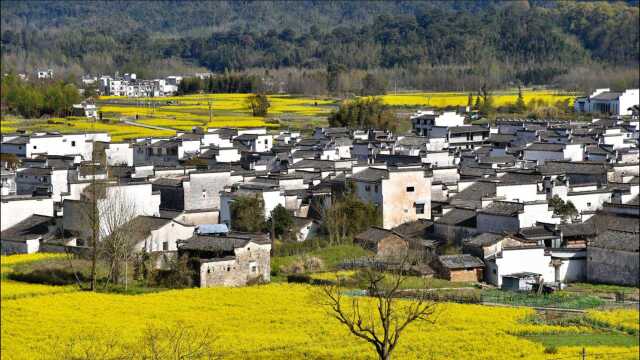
584 354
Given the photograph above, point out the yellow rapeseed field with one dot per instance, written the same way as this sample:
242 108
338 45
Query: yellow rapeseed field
621 318
276 321
12 289
444 99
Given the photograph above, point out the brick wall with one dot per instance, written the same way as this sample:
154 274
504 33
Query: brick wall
465 275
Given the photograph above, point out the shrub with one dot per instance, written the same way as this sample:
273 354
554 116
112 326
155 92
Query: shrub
52 276
299 278
178 276
551 350
313 263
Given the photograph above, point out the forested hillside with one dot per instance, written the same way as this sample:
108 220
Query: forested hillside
528 42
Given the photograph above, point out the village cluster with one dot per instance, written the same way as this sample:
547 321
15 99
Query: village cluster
526 201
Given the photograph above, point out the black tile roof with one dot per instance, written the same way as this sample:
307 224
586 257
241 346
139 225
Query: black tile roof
456 216
33 227
503 208
222 243
545 147
464 261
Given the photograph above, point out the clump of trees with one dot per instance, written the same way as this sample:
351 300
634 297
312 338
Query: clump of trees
35 99
259 104
280 222
224 83
347 216
566 210
247 214
369 112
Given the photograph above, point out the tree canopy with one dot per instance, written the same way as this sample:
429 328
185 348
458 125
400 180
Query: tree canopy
532 41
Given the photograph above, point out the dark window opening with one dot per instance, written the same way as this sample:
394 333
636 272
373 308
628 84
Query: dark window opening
410 189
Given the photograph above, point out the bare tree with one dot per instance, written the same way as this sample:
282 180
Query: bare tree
173 342
381 320
109 214
117 213
176 342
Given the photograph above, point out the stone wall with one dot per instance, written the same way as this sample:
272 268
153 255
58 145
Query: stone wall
612 267
250 262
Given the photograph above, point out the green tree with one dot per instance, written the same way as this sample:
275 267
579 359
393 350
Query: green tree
364 113
477 104
247 214
486 108
566 210
373 85
280 222
520 105
259 104
347 216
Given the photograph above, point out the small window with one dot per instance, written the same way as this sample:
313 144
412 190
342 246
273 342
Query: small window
367 188
34 147
375 188
589 204
254 268
204 194
419 208
73 143
228 268
494 271
165 246
208 271
410 189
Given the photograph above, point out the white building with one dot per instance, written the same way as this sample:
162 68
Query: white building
403 194
609 102
29 146
44 74
423 121
14 209
541 152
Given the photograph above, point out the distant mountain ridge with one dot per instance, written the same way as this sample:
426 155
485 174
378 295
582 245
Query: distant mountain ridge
539 38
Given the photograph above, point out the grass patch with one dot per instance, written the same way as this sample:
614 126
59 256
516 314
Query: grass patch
562 300
331 256
595 339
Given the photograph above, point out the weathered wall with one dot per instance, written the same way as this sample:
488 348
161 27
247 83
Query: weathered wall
612 267
251 261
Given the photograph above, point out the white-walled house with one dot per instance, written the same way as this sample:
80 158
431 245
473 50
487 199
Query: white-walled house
26 236
119 154
511 256
500 216
29 146
608 102
17 208
423 121
156 234
402 193
134 199
270 195
541 152
46 180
